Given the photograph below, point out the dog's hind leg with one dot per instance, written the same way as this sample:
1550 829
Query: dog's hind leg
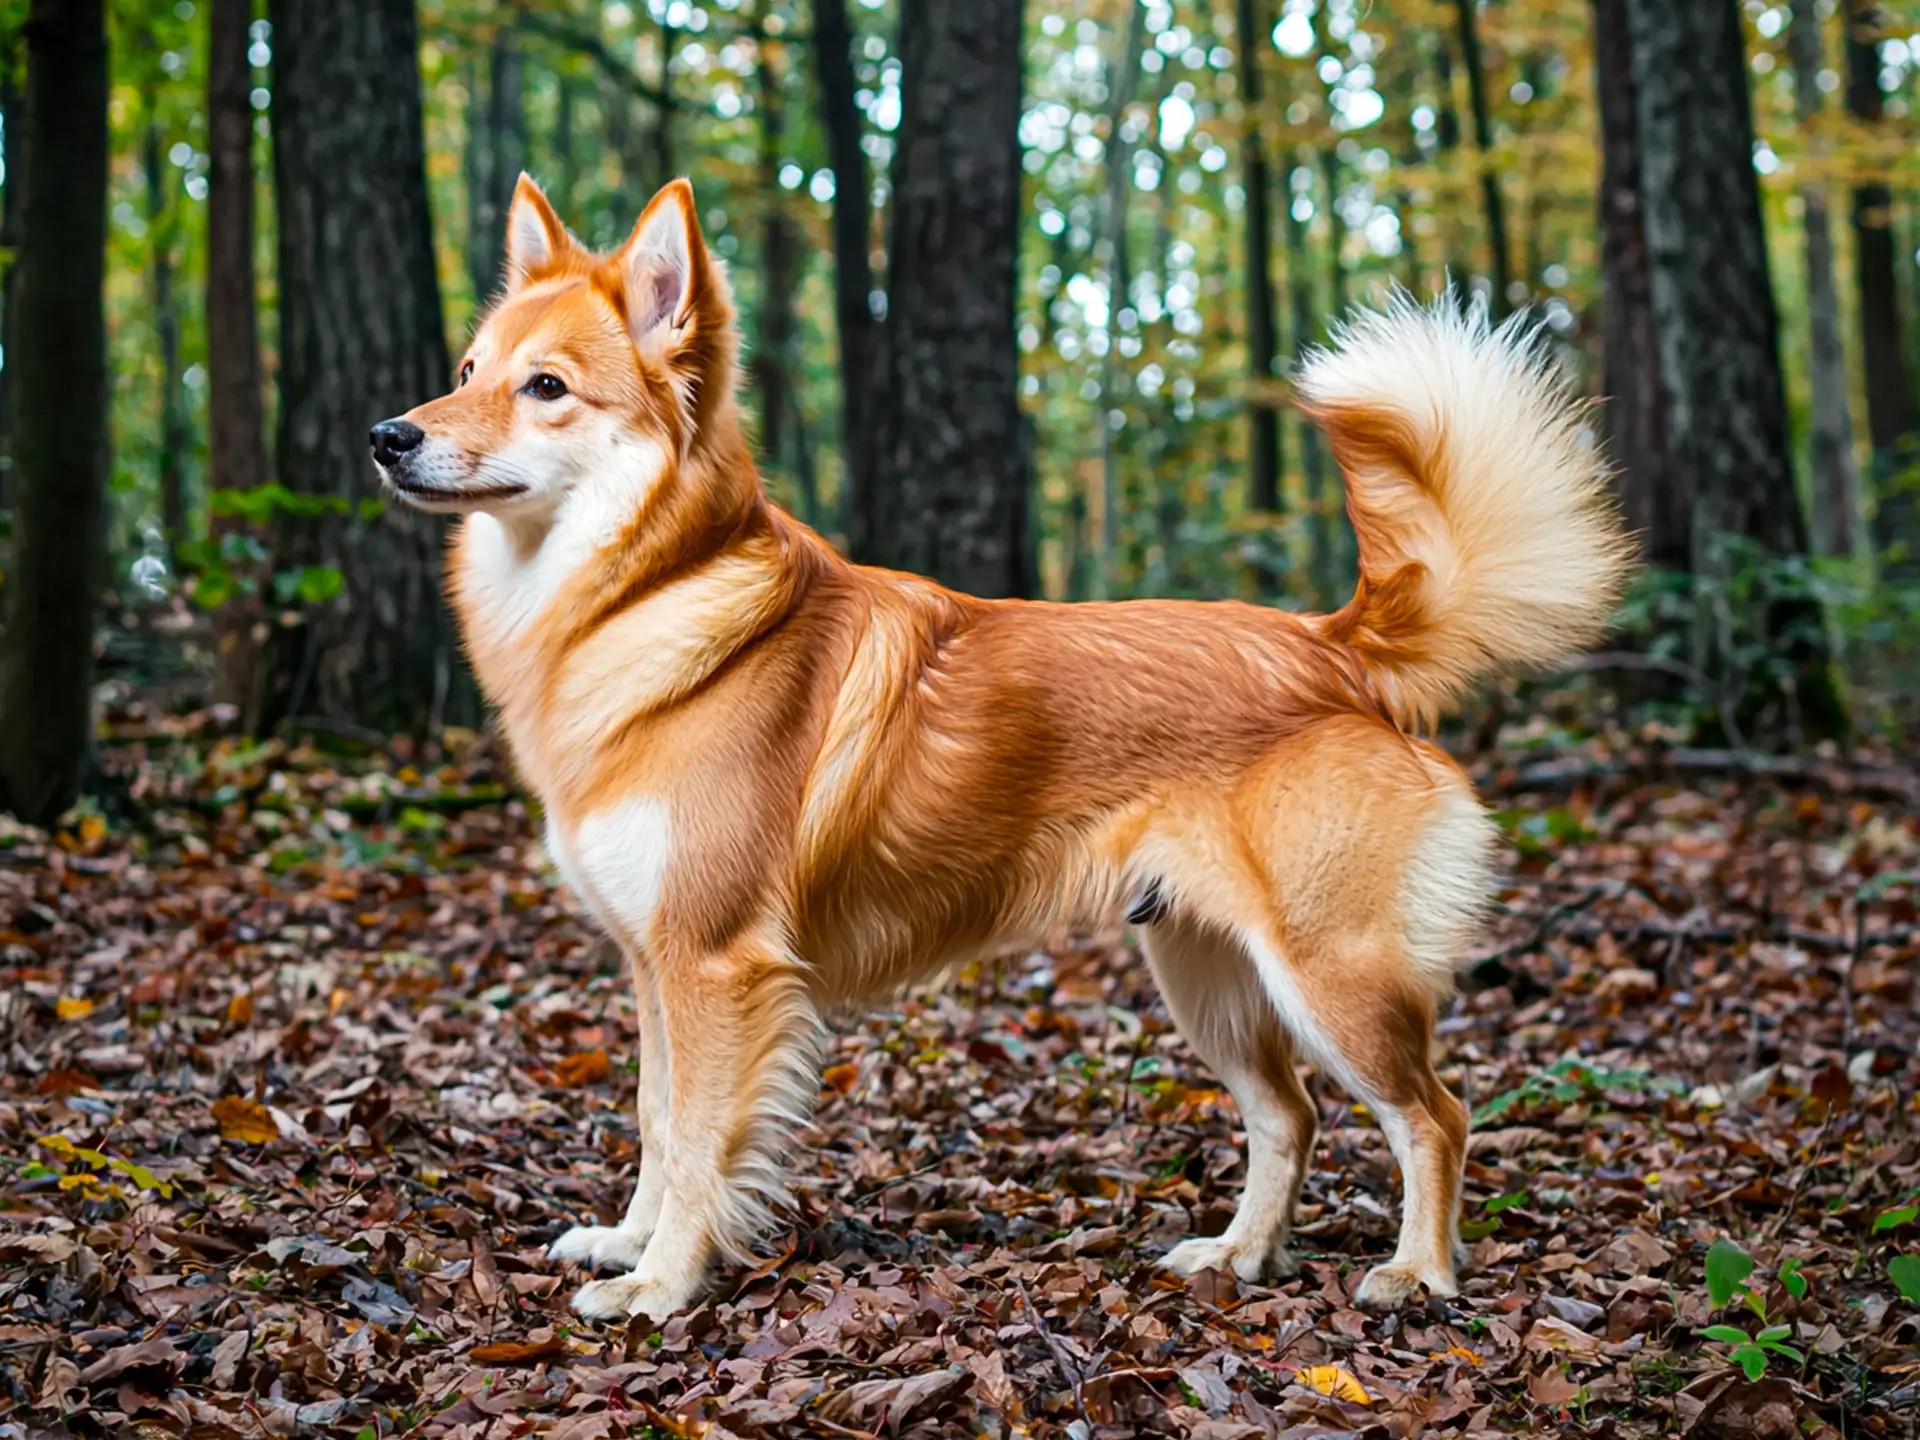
1214 993
619 1247
741 1049
1362 1012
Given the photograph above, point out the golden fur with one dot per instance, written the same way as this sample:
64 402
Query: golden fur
786 783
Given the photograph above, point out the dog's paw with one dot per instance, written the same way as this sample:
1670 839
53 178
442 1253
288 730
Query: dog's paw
1387 1287
1247 1263
609 1247
624 1296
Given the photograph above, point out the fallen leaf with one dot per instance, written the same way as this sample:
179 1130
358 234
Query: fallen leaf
1332 1381
247 1121
841 1077
73 1007
519 1352
587 1067
240 1009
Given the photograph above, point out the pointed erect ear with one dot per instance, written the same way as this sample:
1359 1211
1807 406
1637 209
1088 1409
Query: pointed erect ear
666 275
536 240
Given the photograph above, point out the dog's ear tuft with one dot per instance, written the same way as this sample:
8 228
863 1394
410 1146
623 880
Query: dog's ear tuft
536 240
673 292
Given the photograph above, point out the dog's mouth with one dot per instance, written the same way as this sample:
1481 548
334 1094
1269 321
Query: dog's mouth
434 495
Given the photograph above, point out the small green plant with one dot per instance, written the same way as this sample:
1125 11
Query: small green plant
1728 1267
1570 1079
1904 1271
1480 1229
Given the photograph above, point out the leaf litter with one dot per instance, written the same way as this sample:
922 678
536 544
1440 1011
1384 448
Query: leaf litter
308 1059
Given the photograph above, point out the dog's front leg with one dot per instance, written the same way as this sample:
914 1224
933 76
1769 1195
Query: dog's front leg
740 1052
619 1247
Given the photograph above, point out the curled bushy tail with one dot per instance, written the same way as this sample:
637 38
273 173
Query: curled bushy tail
1488 533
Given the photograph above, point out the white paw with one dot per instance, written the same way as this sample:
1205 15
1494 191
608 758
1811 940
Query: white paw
1387 1287
628 1295
1248 1263
611 1247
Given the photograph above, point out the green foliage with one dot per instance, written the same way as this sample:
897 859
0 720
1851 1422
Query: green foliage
1728 1267
1904 1271
1569 1080
1751 1352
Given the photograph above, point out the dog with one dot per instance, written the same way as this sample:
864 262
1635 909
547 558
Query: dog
787 784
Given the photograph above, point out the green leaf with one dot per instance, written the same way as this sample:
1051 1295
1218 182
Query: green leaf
1507 1202
1728 1266
214 587
1727 1334
1790 1276
1904 1271
1774 1332
1894 1219
1477 1229
1752 1359
1789 1351
319 583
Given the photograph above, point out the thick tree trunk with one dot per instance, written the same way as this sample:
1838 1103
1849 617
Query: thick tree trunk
852 236
236 420
1263 419
773 354
1657 506
61 434
13 130
1890 421
360 339
948 484
1492 203
496 154
1830 446
1717 339
166 334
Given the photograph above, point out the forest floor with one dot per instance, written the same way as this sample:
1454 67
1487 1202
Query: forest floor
307 1059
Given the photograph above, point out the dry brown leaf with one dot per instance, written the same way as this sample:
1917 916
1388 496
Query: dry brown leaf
247 1121
588 1067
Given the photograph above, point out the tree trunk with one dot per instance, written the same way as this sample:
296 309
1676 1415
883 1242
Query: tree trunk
236 422
852 236
496 154
1830 447
564 153
1657 507
360 339
1320 505
1122 74
1717 343
1263 419
13 131
61 433
663 167
166 334
773 354
1493 206
948 491
482 271
1896 530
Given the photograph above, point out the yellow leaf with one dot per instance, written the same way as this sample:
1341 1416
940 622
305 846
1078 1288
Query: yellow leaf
93 828
1340 1384
841 1077
247 1121
240 1009
73 1007
1462 1352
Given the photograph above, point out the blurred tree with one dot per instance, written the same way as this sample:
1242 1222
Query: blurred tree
852 236
496 154
945 491
1657 508
1263 460
61 439
13 146
1123 73
1492 202
773 355
360 339
1889 402
161 240
236 421
1716 341
1830 431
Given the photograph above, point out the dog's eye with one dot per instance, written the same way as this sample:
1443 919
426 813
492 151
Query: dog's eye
466 372
546 387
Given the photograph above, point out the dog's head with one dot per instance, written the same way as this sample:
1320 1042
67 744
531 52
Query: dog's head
587 365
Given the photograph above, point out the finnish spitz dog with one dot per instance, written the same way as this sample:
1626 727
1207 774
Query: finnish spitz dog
786 784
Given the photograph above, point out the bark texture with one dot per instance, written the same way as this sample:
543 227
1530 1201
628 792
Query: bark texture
852 236
236 420
1492 202
1830 441
1263 419
60 433
1716 332
360 340
946 491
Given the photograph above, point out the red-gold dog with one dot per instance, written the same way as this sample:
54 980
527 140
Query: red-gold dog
786 783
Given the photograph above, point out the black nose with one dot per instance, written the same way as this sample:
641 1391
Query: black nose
392 439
